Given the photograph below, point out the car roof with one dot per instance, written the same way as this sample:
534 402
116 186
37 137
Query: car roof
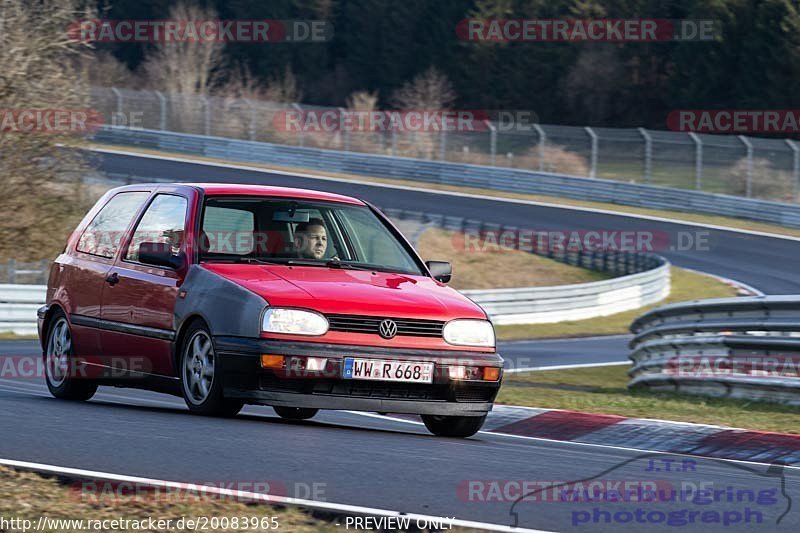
238 189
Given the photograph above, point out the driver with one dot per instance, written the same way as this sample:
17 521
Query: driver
311 239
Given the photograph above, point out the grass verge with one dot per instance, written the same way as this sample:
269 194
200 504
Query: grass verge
604 390
677 216
686 285
29 496
499 268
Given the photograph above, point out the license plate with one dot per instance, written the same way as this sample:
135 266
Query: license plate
387 370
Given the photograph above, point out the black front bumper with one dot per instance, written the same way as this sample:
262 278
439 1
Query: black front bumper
244 378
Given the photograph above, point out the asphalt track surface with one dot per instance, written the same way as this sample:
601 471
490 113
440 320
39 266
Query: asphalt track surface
372 461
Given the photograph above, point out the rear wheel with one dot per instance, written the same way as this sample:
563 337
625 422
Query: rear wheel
453 426
295 413
63 374
200 383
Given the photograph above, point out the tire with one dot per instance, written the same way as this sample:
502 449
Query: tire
295 413
201 386
62 368
453 426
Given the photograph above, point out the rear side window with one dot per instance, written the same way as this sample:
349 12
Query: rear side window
163 222
104 232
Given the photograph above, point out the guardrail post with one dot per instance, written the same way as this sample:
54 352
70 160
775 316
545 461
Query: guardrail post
542 140
749 180
698 161
119 100
162 116
795 164
206 115
345 131
593 137
300 136
45 270
648 154
12 270
492 142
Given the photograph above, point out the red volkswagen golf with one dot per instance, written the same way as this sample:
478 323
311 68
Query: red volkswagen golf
234 294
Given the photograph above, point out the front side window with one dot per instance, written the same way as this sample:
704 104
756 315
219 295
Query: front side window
103 234
303 232
164 222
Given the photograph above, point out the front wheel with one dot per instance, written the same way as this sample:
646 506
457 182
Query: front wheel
200 382
295 413
65 378
453 426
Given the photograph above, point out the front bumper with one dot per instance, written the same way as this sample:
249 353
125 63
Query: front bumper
243 377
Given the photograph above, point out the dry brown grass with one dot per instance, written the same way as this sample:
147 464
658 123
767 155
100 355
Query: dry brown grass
496 267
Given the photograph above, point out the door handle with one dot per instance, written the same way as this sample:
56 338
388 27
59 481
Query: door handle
112 279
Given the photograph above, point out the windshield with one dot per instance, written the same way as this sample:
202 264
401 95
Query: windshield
301 232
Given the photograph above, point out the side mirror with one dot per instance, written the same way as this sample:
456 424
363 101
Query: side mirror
159 254
440 270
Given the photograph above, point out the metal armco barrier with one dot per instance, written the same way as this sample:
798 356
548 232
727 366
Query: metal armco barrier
644 279
733 347
18 304
458 174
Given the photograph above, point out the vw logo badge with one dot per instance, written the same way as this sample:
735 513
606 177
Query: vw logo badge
387 329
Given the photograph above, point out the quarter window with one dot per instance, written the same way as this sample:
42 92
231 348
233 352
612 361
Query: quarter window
164 222
104 232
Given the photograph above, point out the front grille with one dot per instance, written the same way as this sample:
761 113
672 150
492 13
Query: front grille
411 327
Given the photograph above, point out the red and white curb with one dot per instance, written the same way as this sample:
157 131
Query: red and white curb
644 434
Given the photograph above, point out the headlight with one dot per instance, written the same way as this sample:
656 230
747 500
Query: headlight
469 333
294 321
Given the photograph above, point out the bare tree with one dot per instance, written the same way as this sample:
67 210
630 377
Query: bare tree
429 90
42 191
185 67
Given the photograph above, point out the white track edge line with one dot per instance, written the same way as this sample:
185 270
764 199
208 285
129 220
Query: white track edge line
564 367
238 166
254 496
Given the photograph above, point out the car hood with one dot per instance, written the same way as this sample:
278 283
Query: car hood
356 292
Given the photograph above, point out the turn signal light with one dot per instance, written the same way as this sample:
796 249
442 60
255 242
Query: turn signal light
271 361
491 373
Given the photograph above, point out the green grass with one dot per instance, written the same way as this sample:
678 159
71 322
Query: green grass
7 335
686 285
604 390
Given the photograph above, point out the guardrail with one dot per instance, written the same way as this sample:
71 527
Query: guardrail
644 279
747 347
18 305
459 174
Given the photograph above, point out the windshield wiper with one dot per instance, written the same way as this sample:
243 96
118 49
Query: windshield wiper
247 260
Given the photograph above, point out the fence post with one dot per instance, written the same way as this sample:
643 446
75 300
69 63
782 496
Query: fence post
300 136
542 140
345 131
795 164
698 161
443 144
593 137
45 270
492 142
162 118
749 182
648 154
206 115
119 100
12 270
251 126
